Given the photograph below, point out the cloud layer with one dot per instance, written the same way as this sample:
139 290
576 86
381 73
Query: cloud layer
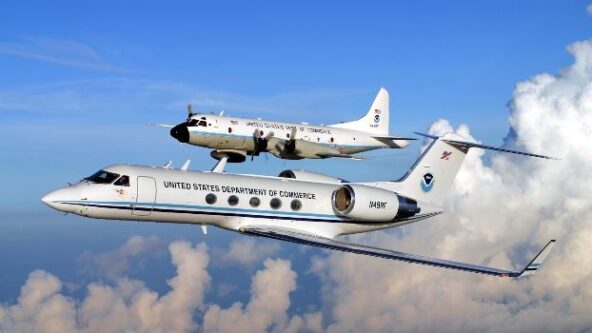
499 214
126 306
501 210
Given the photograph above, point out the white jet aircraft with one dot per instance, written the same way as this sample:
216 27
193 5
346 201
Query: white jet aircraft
237 137
297 206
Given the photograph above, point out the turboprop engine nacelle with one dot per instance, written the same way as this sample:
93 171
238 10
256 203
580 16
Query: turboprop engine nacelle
310 176
365 203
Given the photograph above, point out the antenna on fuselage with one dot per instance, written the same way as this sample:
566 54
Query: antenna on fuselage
186 165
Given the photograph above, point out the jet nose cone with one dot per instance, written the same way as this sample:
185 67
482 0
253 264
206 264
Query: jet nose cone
51 199
181 133
56 198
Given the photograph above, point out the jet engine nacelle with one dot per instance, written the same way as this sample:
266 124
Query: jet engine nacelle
310 176
365 203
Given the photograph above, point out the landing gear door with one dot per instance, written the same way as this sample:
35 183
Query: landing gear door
145 197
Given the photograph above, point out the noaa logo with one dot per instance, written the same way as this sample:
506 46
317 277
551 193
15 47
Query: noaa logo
376 118
427 182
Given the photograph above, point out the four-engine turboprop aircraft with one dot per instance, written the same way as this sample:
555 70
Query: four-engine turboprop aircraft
297 206
237 137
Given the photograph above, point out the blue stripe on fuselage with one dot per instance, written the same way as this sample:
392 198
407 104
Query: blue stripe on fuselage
193 131
206 209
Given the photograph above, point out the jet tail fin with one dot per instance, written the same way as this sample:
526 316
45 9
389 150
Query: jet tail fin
376 121
432 175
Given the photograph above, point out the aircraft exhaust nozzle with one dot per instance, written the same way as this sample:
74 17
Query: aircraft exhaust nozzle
181 133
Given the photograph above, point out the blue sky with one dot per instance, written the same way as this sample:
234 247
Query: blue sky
85 78
80 80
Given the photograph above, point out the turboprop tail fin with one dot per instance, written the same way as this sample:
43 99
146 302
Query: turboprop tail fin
432 175
376 121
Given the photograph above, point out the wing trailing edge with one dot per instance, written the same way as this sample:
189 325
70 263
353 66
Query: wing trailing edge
332 244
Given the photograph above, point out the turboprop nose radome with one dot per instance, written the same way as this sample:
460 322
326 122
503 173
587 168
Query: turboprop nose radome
181 133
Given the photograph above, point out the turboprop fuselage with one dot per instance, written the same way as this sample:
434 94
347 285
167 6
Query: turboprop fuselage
244 134
230 201
237 137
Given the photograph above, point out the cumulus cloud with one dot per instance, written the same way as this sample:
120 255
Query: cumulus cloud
267 307
127 306
499 213
113 264
246 251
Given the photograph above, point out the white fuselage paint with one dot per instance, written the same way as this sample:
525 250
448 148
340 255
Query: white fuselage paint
234 133
175 196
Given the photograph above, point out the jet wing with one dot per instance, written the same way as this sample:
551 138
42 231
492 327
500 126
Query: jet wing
314 240
327 155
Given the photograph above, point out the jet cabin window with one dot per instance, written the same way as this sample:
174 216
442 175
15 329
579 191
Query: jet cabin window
102 177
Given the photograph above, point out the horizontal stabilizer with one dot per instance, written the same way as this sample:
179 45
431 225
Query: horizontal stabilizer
465 145
327 155
317 241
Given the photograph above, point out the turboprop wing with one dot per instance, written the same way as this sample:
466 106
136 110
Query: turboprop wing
327 155
322 242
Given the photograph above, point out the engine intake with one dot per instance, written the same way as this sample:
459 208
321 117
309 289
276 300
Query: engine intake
365 203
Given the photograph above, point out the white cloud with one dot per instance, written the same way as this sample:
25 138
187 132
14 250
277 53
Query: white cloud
267 307
62 52
246 251
128 306
589 9
113 264
498 214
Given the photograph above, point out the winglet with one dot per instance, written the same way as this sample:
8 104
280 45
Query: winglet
532 267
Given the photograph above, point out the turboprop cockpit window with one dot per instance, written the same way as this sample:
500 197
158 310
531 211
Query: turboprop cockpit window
102 177
192 122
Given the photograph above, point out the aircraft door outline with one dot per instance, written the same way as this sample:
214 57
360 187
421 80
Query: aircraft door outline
145 196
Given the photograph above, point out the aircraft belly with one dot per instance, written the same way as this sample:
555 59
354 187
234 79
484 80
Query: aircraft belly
237 143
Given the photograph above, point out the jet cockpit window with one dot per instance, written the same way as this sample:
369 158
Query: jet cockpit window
122 181
102 177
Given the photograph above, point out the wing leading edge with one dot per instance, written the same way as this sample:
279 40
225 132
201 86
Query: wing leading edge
313 240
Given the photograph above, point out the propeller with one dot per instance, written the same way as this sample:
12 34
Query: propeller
260 142
290 145
189 111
